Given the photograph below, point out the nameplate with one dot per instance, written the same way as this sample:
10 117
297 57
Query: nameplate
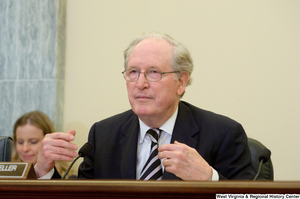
17 170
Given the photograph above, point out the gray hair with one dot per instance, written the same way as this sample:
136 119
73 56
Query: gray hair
181 59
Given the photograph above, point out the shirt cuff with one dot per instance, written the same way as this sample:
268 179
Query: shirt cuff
215 175
48 176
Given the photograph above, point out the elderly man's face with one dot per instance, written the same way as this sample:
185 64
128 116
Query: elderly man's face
153 102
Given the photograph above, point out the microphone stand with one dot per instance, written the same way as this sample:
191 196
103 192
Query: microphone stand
70 167
85 149
258 172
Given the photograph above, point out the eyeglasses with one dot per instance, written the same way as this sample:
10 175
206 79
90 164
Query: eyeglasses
152 75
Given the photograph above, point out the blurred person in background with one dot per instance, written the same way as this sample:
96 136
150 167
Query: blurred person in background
29 131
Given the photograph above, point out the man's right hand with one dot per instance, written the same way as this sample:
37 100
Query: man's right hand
56 146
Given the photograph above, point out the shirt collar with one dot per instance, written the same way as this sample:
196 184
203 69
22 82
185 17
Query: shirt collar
167 127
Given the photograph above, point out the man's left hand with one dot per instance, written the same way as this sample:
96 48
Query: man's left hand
185 162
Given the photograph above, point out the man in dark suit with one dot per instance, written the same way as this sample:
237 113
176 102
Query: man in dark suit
193 144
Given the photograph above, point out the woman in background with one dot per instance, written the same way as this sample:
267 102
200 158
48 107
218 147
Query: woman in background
29 131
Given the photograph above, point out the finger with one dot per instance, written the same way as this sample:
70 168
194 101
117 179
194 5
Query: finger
179 143
176 142
167 162
166 147
50 150
167 154
65 152
72 132
62 156
60 135
169 147
171 169
58 143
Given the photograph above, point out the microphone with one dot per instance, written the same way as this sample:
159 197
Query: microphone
83 151
264 157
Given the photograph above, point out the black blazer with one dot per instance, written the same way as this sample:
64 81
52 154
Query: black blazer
221 141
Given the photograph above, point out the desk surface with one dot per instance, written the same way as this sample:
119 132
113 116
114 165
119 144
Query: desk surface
139 189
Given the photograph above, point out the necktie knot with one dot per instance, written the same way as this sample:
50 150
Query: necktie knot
154 135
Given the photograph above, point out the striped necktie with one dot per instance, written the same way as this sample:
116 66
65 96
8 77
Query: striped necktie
152 169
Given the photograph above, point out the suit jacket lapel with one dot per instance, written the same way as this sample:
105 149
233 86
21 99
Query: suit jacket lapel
185 130
128 144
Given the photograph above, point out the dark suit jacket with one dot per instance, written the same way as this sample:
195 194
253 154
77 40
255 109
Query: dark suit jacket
220 140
